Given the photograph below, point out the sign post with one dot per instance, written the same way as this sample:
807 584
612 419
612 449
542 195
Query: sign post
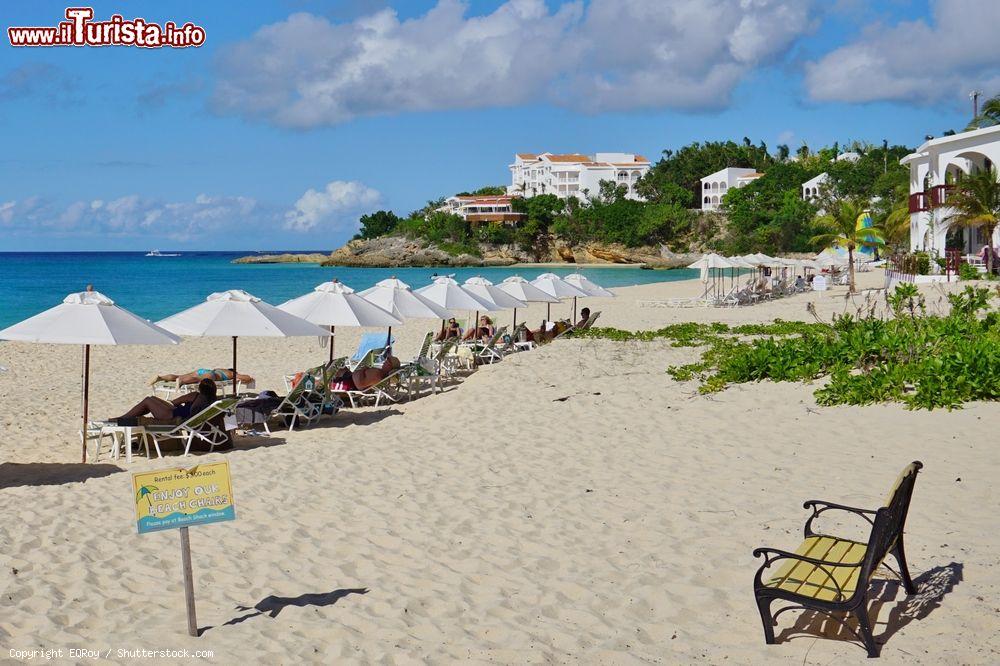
179 498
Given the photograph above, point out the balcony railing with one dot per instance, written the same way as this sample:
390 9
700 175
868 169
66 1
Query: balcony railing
918 202
939 194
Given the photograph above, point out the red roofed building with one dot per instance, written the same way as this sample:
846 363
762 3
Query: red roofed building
575 175
483 209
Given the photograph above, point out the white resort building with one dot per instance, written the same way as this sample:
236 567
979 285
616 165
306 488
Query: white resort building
812 187
575 175
934 168
474 209
715 186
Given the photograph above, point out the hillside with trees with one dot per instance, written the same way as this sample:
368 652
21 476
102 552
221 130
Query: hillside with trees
767 215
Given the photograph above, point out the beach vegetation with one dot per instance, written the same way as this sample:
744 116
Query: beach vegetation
967 271
899 354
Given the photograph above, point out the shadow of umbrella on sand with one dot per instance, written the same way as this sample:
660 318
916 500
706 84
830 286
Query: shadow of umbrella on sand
88 318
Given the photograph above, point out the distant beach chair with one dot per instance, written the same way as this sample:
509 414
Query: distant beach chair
197 427
704 299
830 574
488 353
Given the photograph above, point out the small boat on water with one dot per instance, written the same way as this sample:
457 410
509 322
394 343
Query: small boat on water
157 253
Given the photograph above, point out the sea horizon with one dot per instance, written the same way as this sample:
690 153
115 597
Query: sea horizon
157 287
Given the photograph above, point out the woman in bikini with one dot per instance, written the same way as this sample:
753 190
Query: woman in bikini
482 332
195 376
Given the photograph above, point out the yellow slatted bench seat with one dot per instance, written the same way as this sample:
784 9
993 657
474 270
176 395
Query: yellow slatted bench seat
832 574
829 583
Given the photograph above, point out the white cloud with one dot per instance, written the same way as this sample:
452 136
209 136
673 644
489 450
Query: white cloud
307 71
337 205
134 215
915 61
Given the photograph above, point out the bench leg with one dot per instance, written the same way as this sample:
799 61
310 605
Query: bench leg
865 626
764 606
904 572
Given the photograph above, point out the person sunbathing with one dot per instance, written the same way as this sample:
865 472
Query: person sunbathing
363 378
195 376
547 331
483 332
452 330
584 318
181 407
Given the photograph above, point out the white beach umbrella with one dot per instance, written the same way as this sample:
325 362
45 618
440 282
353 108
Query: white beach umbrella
396 297
708 263
486 290
590 287
553 285
523 290
335 304
88 318
234 314
448 293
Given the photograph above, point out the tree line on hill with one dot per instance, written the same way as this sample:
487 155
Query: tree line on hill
768 214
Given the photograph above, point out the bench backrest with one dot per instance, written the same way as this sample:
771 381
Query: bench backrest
890 520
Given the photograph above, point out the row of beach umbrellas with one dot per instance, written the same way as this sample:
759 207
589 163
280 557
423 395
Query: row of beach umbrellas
91 318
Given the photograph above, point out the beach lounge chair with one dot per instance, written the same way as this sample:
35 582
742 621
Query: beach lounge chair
386 389
488 353
568 332
198 427
330 368
303 404
370 342
169 390
830 574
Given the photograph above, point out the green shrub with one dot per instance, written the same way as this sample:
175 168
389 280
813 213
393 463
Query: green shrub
968 272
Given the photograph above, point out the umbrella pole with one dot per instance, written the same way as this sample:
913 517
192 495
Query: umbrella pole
235 376
548 311
86 397
331 343
574 308
388 337
513 324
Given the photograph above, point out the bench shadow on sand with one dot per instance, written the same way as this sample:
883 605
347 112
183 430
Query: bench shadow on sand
13 475
932 586
273 605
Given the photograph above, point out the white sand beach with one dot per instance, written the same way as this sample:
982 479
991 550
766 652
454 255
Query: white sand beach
573 504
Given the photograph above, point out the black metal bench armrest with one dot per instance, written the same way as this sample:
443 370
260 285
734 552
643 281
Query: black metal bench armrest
819 506
784 554
814 504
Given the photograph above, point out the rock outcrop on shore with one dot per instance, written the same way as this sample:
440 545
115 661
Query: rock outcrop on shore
314 258
400 251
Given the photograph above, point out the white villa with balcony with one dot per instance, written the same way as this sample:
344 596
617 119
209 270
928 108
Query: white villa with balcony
715 186
934 167
575 175
812 187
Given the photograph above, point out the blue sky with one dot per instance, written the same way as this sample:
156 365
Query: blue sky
297 116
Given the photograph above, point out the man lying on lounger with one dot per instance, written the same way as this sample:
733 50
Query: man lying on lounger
181 407
195 376
362 378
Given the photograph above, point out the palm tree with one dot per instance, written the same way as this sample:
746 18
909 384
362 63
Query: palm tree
976 205
841 228
894 220
989 114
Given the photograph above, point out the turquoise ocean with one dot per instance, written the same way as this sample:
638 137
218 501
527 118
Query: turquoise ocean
156 287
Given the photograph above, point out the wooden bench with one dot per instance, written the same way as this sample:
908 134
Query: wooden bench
830 574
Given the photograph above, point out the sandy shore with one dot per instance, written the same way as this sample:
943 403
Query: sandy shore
569 505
